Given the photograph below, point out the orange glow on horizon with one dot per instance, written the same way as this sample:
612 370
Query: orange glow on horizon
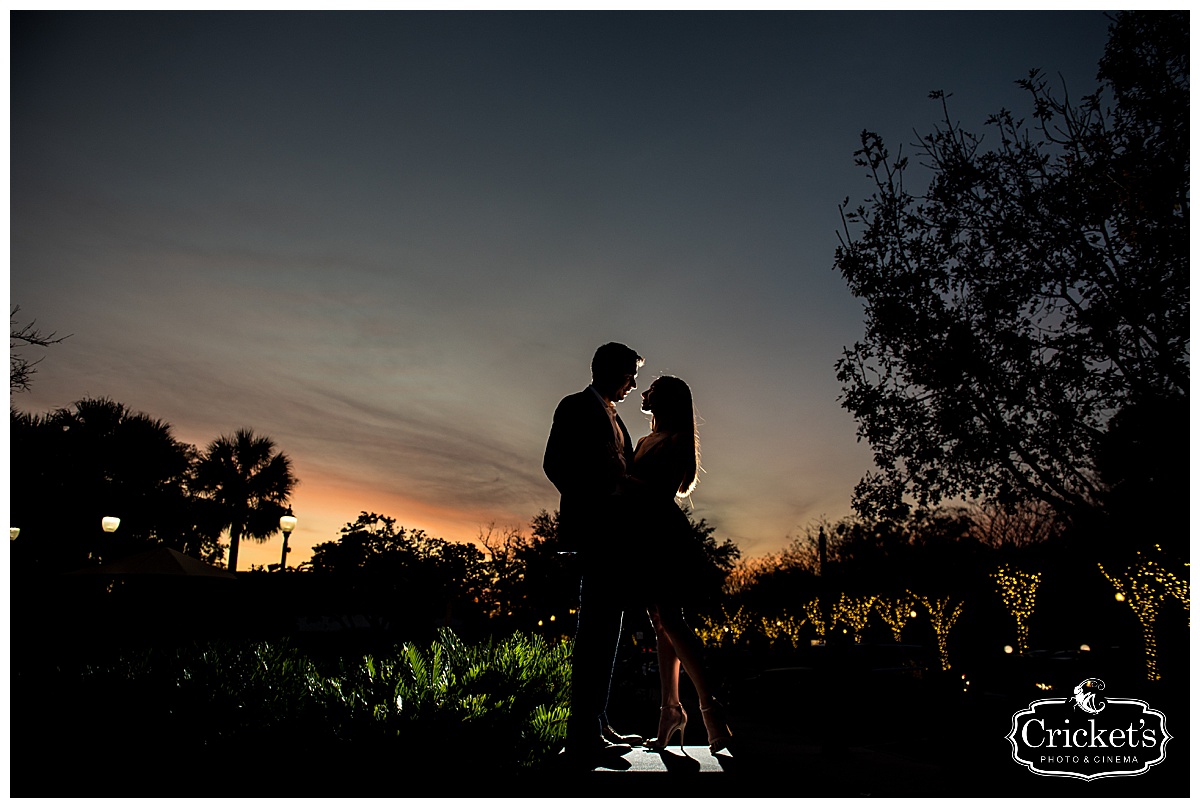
323 506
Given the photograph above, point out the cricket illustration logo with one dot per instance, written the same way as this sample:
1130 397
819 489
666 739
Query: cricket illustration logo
1087 696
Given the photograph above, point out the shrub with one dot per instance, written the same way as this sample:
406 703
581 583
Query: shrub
505 699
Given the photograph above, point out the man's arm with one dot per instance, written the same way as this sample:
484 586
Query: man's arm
578 460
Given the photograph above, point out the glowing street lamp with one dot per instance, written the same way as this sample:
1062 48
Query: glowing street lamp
287 523
110 524
13 532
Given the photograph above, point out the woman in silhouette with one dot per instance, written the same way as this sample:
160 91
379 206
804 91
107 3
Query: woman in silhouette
665 466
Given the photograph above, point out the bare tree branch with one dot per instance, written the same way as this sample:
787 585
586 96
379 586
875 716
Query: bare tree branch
21 369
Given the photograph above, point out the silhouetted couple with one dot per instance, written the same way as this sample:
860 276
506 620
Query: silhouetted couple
618 512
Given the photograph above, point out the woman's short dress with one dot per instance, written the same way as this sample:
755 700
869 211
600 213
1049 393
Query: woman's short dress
668 557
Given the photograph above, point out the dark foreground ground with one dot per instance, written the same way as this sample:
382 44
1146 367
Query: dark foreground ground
866 721
863 726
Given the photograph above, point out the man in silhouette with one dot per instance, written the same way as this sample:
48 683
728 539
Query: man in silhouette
586 457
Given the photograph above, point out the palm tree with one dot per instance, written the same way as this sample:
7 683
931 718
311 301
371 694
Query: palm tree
248 483
97 458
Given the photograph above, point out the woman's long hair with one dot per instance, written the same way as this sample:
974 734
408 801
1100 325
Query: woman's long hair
674 412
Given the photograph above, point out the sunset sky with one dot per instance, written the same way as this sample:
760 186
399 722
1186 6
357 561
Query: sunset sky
391 241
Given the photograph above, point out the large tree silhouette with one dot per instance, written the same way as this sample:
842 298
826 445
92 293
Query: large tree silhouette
1037 291
247 483
414 578
97 458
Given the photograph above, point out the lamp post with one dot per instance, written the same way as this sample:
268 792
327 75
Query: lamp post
110 525
287 523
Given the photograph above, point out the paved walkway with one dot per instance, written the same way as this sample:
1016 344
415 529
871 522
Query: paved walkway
759 765
692 760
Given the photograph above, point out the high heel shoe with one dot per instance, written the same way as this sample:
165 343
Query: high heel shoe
670 718
719 734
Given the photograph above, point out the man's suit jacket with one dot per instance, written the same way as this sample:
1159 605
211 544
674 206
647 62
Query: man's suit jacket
581 460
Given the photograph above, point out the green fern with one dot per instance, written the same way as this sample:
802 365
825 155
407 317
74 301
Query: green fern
510 693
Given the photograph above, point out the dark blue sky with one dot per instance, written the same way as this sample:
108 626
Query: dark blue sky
391 241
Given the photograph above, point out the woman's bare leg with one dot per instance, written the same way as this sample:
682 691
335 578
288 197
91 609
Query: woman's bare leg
671 715
668 662
686 650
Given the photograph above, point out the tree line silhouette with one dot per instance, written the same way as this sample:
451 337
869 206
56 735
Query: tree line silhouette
97 458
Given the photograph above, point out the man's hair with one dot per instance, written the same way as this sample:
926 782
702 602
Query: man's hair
614 359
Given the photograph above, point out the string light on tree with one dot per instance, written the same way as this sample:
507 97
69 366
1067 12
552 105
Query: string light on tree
784 627
1018 590
1178 588
943 613
728 629
709 630
854 612
896 612
1144 585
816 618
